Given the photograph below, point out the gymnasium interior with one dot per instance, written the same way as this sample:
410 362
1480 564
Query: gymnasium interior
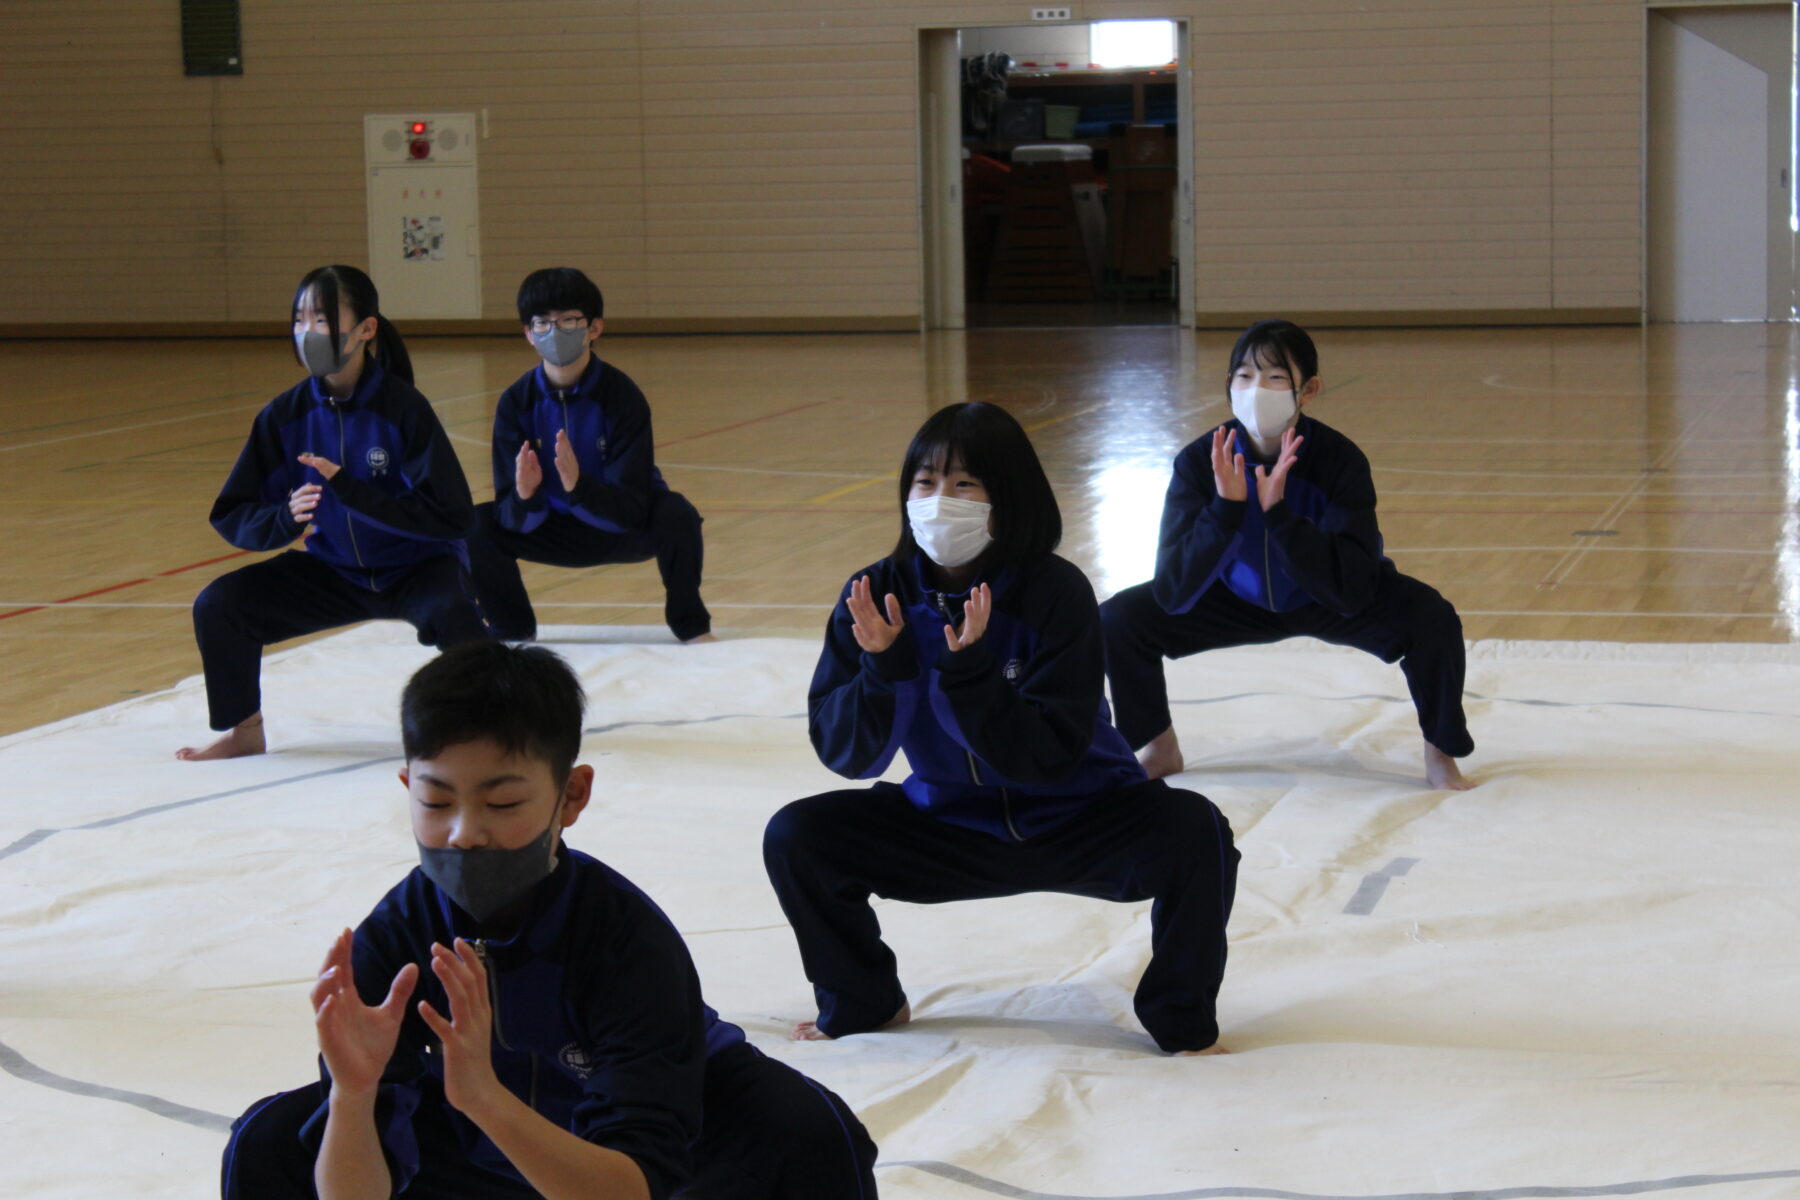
1546 249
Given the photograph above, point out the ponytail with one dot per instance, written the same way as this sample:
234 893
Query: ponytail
391 350
330 284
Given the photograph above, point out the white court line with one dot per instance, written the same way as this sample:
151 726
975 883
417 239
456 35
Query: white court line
1607 612
1771 492
766 471
211 412
1564 473
1565 566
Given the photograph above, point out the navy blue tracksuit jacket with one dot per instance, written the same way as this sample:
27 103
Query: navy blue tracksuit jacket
1319 545
1009 736
399 499
598 1019
608 421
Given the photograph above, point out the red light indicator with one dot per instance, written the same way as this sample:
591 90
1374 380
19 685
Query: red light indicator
418 127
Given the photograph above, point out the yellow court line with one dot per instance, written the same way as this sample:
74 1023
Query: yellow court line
859 485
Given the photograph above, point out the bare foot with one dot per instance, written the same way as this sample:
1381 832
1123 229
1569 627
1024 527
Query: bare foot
1215 1048
809 1031
1161 756
1442 772
695 641
241 740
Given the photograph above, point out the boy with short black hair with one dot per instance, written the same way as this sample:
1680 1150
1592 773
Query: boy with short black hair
575 481
559 1045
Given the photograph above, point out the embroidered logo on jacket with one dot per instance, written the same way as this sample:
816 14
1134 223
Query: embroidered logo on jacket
576 1060
600 445
1014 668
377 458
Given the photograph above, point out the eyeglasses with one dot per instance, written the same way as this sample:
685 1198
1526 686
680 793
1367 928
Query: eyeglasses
566 324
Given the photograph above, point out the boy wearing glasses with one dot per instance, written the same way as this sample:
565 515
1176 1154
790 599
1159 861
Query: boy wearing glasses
575 482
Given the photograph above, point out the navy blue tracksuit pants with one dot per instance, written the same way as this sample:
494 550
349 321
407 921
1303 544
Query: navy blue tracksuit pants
770 1133
1408 622
826 855
294 594
672 539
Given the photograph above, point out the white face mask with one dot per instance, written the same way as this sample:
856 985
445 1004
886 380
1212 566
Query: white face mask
951 532
1265 412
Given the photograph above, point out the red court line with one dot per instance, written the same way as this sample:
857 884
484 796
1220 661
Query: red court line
114 587
694 437
19 612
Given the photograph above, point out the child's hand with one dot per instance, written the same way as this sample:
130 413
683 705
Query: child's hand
872 633
467 1034
302 500
1228 468
1271 486
976 611
566 465
321 464
528 473
356 1040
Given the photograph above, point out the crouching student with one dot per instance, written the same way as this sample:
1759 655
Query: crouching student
354 459
575 480
976 650
516 1019
1294 553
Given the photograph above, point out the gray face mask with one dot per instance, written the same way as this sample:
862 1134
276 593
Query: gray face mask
315 352
484 882
558 346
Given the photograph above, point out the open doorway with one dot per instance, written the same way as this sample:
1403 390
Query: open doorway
1055 174
1720 207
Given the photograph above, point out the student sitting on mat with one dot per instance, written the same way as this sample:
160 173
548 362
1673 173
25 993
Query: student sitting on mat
354 459
977 651
1294 553
515 1019
575 482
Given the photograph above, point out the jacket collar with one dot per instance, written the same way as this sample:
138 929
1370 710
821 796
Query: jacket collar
367 384
584 387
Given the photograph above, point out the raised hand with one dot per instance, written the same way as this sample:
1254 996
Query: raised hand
976 611
467 1033
1228 468
1271 485
872 632
528 473
357 1041
302 500
321 464
566 465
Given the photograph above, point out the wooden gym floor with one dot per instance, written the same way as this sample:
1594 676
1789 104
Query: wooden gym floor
1613 484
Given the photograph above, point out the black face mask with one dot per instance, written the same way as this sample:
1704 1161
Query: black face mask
484 882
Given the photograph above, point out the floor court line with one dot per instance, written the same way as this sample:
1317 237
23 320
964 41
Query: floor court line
115 587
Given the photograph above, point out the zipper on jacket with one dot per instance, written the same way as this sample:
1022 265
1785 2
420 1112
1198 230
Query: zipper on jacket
1268 572
481 954
974 768
349 517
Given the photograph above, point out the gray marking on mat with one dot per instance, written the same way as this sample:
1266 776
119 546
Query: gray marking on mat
1723 712
1636 1187
38 835
618 725
20 1067
1369 894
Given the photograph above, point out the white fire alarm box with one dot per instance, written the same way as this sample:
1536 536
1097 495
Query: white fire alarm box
424 215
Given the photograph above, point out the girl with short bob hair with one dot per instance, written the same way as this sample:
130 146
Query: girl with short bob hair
1291 549
353 459
976 651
